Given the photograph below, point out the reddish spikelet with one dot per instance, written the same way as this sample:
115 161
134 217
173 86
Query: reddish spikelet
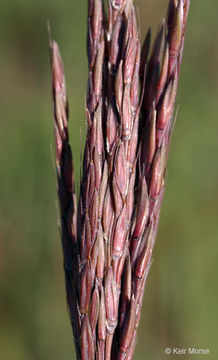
126 293
101 256
157 173
151 145
117 197
175 36
65 187
85 289
171 12
153 71
102 325
111 301
142 211
115 50
95 18
108 238
134 90
111 129
144 254
128 329
98 73
126 115
120 170
94 310
166 110
107 215
103 189
118 265
119 86
120 234
87 346
163 74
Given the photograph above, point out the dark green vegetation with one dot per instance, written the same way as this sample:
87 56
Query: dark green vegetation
180 306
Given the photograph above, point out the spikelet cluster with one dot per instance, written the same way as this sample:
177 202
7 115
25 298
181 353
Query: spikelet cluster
108 237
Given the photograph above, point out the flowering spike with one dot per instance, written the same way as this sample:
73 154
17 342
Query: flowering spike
108 241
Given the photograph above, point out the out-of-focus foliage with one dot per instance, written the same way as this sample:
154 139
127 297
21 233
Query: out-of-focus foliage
180 304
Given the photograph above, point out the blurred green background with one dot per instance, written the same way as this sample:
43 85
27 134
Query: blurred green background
180 304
